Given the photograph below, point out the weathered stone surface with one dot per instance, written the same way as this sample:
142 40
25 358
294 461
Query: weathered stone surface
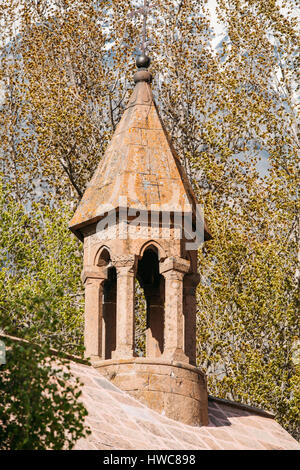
139 165
93 316
118 421
163 387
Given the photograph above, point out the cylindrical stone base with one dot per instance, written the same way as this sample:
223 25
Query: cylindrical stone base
174 389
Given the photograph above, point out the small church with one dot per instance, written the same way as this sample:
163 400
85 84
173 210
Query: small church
139 219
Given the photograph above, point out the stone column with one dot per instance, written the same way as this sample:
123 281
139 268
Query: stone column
173 269
190 310
93 279
126 268
155 321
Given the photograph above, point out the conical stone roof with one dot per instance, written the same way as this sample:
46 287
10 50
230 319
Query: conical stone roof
140 169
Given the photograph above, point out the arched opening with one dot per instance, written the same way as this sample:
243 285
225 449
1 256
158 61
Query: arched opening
153 285
109 313
103 257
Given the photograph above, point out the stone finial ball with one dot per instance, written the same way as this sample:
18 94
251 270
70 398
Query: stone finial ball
143 61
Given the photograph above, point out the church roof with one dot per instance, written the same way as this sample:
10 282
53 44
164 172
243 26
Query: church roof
140 169
118 421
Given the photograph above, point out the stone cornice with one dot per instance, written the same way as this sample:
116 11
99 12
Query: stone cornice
94 272
174 263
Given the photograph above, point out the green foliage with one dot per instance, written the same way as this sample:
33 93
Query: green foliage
248 321
39 407
39 257
228 111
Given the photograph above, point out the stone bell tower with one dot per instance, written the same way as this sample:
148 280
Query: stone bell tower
132 220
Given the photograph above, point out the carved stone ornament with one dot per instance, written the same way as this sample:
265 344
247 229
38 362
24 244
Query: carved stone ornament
122 261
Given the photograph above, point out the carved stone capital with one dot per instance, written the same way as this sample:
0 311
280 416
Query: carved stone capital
93 272
173 275
125 261
174 264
